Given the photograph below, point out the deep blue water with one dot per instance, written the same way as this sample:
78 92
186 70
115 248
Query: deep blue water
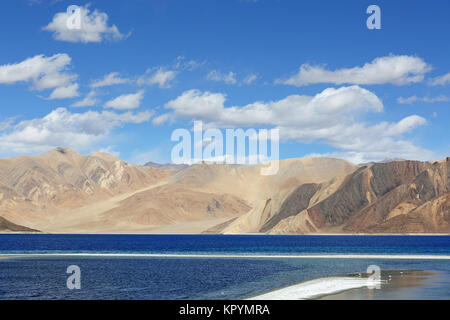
223 244
203 278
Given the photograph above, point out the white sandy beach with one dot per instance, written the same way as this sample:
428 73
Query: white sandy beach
316 288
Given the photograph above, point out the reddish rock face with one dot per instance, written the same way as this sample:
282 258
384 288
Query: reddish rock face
394 197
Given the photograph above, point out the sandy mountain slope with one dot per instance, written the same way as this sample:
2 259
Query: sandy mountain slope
247 182
33 189
63 191
284 203
8 226
171 205
209 194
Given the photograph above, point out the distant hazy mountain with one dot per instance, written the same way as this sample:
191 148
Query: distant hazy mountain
63 191
166 166
382 161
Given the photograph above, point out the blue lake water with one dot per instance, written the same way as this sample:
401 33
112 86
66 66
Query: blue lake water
203 278
224 244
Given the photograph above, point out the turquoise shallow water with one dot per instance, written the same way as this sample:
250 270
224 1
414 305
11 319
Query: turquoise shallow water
205 278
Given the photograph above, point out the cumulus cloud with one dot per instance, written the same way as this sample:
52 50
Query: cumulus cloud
398 70
40 71
126 101
378 142
228 78
93 27
161 119
294 110
161 77
442 80
330 117
414 99
63 128
88 101
69 91
110 79
194 103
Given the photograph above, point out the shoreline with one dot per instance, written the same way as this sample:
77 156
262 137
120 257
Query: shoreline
316 288
226 256
341 286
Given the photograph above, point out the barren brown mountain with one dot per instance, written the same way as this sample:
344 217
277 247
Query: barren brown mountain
394 197
8 226
34 191
63 191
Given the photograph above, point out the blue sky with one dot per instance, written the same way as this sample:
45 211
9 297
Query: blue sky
141 69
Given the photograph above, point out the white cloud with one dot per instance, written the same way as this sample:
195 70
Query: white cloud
161 77
110 150
194 103
394 150
250 78
41 71
294 110
164 76
88 101
413 99
442 80
7 123
181 63
364 143
93 28
70 91
228 78
161 119
393 69
63 128
110 79
329 117
126 101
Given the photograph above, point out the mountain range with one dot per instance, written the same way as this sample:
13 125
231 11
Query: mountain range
166 166
62 191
